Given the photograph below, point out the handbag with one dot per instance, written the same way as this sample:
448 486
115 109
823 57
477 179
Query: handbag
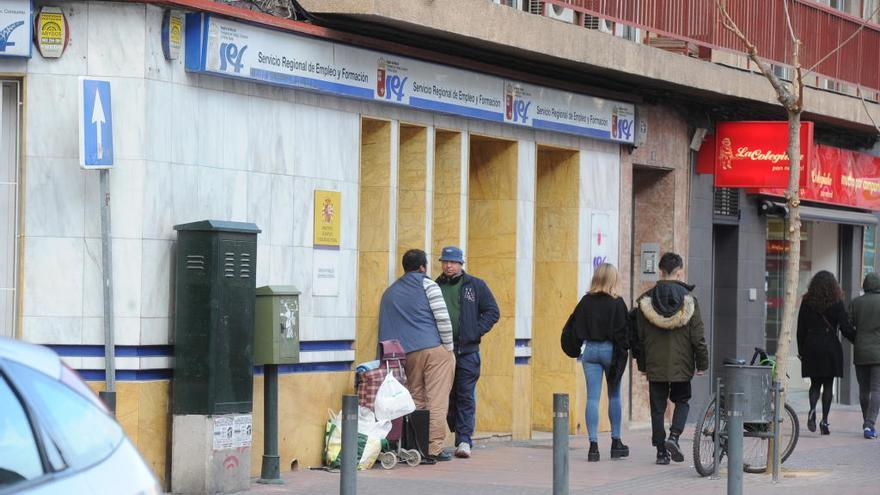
571 344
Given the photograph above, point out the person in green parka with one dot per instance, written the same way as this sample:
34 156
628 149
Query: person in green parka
865 311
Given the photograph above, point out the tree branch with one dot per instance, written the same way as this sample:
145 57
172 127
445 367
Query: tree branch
783 93
865 106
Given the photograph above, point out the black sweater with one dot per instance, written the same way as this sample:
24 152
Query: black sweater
600 317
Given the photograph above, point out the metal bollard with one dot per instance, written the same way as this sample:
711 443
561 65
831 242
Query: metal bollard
717 436
348 468
777 425
734 444
270 472
560 444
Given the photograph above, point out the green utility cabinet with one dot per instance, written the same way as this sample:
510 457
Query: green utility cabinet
214 318
276 336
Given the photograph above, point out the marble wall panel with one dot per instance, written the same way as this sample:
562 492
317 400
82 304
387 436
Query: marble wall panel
156 276
115 40
57 185
52 109
126 200
318 153
53 277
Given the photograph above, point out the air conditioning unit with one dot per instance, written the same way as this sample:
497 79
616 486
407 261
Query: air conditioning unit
783 72
628 32
598 24
559 13
517 4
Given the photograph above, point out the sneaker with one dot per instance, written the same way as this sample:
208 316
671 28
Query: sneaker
442 456
463 451
811 421
662 456
671 445
593 454
618 449
870 433
823 428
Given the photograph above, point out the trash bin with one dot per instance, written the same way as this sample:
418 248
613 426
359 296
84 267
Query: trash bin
755 383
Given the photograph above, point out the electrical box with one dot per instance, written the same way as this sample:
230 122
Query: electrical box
276 333
214 318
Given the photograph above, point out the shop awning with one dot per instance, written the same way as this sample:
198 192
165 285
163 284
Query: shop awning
837 216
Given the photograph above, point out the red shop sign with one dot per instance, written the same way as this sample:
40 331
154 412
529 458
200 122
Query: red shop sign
839 177
754 154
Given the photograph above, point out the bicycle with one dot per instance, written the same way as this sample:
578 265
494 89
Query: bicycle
756 436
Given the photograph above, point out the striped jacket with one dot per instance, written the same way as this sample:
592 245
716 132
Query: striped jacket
413 311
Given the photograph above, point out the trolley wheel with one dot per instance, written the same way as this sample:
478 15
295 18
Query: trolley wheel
413 457
388 460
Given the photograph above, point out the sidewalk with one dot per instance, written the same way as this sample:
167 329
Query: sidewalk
843 462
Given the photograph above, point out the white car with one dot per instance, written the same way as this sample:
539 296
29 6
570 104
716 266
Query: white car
56 436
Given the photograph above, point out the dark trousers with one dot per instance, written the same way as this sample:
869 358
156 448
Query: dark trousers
869 392
659 392
462 397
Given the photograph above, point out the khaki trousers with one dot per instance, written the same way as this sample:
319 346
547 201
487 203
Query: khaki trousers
429 375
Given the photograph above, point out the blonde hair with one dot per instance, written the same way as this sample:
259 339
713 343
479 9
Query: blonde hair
605 280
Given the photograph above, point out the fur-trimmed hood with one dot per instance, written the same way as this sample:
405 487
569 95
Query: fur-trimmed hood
677 320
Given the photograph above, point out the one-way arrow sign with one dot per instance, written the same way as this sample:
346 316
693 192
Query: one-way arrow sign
96 124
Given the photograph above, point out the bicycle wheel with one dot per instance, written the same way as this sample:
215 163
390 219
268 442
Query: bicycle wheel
755 449
704 441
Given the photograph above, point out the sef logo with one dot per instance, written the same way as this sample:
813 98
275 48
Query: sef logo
394 85
231 54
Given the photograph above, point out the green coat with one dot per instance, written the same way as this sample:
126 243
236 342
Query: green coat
865 311
670 348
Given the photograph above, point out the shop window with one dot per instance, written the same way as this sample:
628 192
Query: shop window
776 256
868 249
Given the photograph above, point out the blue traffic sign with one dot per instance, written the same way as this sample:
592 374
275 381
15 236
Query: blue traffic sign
96 124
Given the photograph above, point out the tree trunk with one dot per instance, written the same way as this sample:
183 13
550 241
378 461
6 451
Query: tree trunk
793 260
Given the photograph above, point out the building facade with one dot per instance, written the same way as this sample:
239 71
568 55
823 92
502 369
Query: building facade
220 133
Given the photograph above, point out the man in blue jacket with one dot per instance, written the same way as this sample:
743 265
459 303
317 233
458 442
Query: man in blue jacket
473 311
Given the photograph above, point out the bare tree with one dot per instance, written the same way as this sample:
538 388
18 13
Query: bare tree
791 96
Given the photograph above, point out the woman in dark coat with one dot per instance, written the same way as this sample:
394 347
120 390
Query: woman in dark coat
822 315
601 320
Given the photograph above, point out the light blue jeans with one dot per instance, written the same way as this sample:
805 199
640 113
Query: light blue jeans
597 360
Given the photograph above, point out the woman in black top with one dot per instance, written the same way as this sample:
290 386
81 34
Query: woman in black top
601 319
821 315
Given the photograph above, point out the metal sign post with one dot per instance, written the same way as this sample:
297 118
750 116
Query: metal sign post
96 152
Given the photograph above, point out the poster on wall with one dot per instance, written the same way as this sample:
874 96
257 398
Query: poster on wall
328 206
603 240
16 28
325 276
328 211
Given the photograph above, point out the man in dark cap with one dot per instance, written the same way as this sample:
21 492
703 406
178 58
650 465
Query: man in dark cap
473 312
671 346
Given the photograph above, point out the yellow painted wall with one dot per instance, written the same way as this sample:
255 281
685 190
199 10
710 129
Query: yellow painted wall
556 286
522 402
411 185
446 215
492 256
373 233
303 402
143 410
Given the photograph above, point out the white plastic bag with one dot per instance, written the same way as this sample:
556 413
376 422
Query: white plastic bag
393 400
370 426
370 433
